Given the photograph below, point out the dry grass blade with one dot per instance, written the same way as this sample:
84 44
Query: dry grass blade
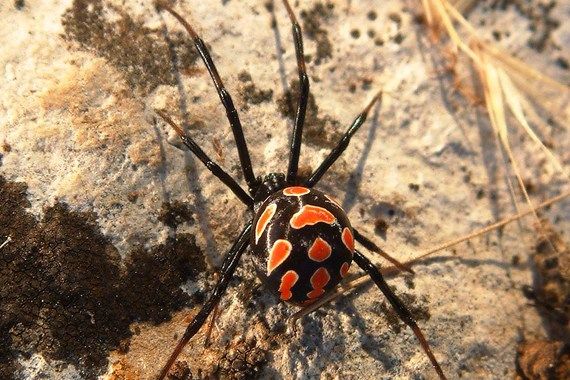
513 99
502 78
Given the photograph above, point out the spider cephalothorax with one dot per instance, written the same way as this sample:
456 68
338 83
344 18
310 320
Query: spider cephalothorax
270 184
301 237
306 242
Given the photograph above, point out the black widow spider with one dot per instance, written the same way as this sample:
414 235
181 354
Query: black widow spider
300 235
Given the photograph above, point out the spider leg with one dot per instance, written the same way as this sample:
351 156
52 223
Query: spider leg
295 151
225 97
226 273
343 143
398 306
371 246
211 165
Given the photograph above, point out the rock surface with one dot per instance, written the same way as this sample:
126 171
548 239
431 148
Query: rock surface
116 233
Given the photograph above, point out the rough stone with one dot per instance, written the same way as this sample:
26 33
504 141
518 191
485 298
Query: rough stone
116 233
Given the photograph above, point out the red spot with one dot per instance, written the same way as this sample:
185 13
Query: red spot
279 253
320 250
296 191
263 220
319 280
348 239
344 269
287 281
310 215
316 293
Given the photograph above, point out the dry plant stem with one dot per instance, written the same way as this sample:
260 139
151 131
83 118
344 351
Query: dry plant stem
392 270
495 70
8 239
515 102
479 49
506 59
495 105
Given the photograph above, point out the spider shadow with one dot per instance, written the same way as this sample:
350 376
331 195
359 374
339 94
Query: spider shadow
488 142
200 202
356 178
376 346
278 47
162 170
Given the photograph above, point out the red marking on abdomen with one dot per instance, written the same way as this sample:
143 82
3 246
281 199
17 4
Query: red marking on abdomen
287 281
344 269
296 191
263 220
309 215
320 250
348 239
316 293
279 252
319 280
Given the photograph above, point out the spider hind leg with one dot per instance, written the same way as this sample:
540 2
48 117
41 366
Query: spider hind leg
296 138
227 271
404 314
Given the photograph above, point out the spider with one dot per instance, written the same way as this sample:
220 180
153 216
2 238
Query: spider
299 235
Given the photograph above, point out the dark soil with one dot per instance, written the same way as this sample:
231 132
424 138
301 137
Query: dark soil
67 294
143 55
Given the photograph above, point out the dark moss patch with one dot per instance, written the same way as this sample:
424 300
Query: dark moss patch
322 131
180 371
313 29
254 95
381 226
249 91
7 148
175 213
552 281
243 360
414 187
396 18
244 77
562 63
67 294
398 38
140 53
542 19
355 33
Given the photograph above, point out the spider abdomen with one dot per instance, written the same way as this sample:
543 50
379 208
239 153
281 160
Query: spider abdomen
306 242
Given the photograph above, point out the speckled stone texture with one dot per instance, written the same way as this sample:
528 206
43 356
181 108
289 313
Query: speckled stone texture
116 233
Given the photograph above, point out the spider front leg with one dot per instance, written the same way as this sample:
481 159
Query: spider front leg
210 164
371 246
342 144
295 151
227 270
225 97
398 306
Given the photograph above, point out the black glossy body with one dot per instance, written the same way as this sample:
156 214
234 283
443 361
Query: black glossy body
279 227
